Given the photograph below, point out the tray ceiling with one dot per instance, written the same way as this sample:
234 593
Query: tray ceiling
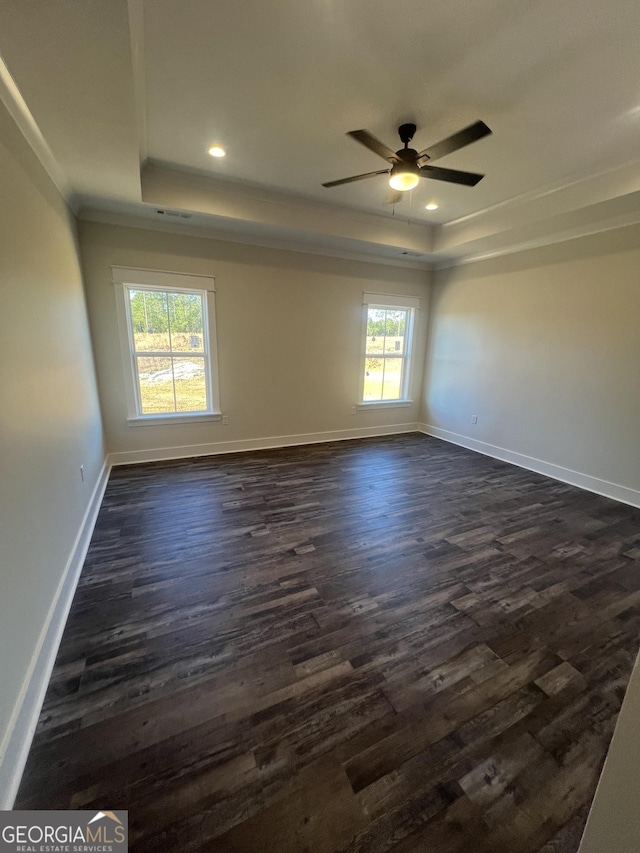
124 92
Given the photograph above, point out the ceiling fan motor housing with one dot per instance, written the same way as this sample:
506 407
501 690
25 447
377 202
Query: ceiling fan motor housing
406 132
407 156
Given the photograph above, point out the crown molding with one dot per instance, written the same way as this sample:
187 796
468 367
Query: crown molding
21 114
613 214
205 231
597 196
276 215
174 177
577 179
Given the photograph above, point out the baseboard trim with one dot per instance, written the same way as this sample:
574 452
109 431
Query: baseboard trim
557 472
17 741
133 457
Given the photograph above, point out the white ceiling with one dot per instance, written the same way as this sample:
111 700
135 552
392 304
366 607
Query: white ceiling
113 84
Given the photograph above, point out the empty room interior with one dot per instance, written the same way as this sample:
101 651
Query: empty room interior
320 421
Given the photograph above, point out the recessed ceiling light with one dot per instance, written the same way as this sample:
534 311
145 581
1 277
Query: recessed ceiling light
431 206
217 151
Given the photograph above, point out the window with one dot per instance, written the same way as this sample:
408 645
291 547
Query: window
167 330
388 337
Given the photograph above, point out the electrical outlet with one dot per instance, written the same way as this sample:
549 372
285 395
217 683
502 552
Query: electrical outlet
474 419
225 420
82 473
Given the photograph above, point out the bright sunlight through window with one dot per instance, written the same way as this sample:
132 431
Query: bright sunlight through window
170 350
387 349
167 346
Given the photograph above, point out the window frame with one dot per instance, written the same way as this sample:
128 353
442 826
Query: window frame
126 279
383 301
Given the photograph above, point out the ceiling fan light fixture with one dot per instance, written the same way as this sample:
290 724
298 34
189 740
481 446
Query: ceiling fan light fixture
403 178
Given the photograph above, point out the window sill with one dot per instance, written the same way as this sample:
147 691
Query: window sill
173 420
384 404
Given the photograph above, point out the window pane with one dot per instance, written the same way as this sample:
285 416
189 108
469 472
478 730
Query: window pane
373 369
149 320
395 325
155 381
387 349
375 345
375 322
375 329
191 386
185 317
392 378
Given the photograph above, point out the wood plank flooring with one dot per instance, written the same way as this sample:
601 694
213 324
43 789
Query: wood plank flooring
381 645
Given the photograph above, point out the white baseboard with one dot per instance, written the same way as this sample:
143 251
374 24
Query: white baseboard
17 741
557 472
132 457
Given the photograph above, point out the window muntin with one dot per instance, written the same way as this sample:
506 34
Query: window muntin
387 348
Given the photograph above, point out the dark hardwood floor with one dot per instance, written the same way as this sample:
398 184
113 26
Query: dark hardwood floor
381 645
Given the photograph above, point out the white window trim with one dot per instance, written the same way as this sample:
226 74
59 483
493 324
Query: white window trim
388 300
162 279
124 277
382 404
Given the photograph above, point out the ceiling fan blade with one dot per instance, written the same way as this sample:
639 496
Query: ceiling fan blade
393 197
458 140
369 141
454 176
355 178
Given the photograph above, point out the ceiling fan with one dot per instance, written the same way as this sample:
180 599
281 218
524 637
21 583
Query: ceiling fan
408 165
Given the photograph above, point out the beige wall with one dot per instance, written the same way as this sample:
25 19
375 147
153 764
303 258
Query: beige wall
544 347
49 413
289 330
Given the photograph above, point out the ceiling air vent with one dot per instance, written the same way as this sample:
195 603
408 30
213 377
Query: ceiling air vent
174 213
